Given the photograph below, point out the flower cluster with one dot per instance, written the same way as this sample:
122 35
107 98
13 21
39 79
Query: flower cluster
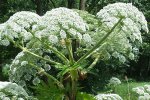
108 97
90 19
60 23
18 26
143 92
28 30
25 68
67 18
114 81
111 13
121 43
16 92
92 23
54 26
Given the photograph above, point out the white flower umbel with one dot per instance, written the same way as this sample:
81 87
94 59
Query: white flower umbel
110 13
11 89
147 88
139 90
53 39
143 92
87 38
4 84
60 22
146 96
63 34
18 26
114 81
32 31
125 36
22 72
23 63
25 24
108 97
65 17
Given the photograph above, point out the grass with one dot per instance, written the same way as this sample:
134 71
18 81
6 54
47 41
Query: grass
123 89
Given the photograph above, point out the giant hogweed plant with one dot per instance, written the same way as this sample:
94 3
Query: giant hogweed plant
62 40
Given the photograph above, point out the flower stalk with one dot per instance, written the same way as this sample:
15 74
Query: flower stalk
69 49
98 44
59 54
26 50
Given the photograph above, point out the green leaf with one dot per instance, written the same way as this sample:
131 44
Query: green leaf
48 91
85 96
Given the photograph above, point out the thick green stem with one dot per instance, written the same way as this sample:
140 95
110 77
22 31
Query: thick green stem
74 90
69 49
98 44
94 63
74 79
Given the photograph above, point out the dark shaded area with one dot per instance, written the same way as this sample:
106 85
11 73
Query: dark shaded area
71 4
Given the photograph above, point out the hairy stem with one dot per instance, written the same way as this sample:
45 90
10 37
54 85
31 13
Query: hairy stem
74 79
94 63
69 49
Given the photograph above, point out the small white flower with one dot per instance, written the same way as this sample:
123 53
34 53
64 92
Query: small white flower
63 34
122 59
34 27
27 36
108 97
20 99
79 35
114 81
72 31
21 54
131 56
36 81
47 67
2 95
115 54
16 62
139 90
53 39
27 77
13 89
87 38
18 25
24 63
4 42
6 98
141 98
4 84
